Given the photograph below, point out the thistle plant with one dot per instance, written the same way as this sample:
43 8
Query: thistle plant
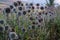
30 23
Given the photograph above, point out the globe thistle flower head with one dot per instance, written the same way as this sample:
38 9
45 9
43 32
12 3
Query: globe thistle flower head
13 35
31 4
42 8
20 8
6 28
19 13
2 29
38 7
24 12
11 7
7 10
1 21
29 11
26 4
15 4
37 4
14 10
46 13
38 26
29 27
31 18
33 26
22 4
39 13
33 7
40 20
29 7
23 30
19 36
13 30
33 23
19 2
51 12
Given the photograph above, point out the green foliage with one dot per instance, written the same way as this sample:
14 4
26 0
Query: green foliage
50 3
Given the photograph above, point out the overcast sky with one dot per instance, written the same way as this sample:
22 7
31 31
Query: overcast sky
34 1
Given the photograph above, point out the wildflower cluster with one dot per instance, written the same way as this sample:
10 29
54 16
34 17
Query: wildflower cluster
25 20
